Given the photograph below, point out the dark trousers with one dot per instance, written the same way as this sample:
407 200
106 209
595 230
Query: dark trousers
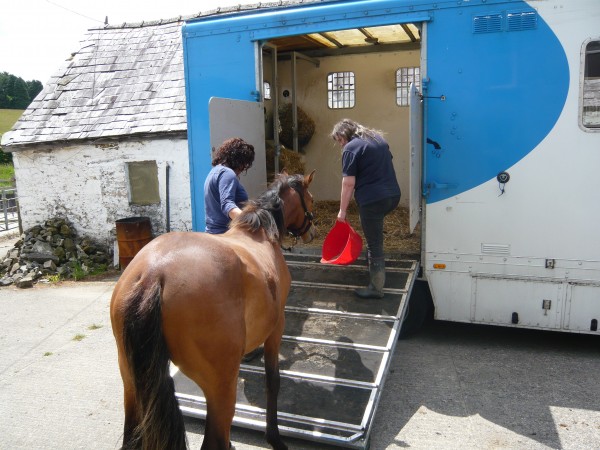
371 220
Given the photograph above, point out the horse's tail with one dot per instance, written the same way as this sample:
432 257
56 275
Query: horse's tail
160 423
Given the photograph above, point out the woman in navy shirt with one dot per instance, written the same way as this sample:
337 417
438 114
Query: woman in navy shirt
368 172
224 195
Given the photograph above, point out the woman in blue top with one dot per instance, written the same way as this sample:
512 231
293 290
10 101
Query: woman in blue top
368 172
224 195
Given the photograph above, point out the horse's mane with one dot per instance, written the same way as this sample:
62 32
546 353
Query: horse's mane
267 210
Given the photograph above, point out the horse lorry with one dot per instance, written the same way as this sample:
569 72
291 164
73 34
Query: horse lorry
492 112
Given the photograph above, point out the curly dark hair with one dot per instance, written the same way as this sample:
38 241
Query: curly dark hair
234 153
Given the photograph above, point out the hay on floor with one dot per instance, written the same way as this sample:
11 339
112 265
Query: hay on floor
396 237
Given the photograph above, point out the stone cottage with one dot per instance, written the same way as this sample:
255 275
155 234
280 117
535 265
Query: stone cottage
106 138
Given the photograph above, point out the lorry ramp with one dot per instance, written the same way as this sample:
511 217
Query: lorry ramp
334 357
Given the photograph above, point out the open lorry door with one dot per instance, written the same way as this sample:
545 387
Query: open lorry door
416 151
238 118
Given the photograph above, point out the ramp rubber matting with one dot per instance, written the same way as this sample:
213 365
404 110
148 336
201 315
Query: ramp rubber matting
334 356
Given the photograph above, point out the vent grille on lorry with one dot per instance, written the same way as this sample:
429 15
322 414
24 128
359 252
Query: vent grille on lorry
515 21
520 21
490 23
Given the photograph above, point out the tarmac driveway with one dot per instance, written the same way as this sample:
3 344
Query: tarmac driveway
451 386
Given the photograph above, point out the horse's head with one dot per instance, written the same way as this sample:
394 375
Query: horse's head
298 203
285 207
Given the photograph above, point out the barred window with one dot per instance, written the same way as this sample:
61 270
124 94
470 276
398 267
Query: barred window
404 77
340 90
590 113
267 90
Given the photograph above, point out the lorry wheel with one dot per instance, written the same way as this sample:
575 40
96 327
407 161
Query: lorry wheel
420 309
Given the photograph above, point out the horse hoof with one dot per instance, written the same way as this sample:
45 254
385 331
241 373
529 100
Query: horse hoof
277 444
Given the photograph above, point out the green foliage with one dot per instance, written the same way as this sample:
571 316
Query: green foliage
80 271
54 279
34 87
7 173
16 93
8 117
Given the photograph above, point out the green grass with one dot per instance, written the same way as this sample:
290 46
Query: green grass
8 117
7 172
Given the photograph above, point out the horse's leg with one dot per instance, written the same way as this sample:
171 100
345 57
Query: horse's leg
272 375
220 408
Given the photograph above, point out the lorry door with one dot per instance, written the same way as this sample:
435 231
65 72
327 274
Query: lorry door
230 118
416 150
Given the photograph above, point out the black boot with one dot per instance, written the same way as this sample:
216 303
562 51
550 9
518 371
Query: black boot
377 276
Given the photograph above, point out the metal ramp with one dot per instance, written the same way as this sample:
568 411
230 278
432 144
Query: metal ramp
334 356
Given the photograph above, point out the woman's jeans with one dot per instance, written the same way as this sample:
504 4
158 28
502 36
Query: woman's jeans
371 220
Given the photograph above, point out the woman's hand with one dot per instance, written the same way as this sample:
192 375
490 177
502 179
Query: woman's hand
341 217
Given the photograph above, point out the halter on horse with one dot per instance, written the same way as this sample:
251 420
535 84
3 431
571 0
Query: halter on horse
203 301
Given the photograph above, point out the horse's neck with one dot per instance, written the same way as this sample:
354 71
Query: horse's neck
258 237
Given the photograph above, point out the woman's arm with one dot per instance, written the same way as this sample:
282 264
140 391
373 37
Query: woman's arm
345 196
234 212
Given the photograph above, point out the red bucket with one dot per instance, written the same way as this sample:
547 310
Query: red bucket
342 245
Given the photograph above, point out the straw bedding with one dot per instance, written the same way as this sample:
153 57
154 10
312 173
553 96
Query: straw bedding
396 237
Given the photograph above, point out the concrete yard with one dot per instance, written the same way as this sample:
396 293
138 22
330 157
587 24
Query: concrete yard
450 386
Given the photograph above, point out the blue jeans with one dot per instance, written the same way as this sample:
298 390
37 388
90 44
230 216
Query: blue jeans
371 220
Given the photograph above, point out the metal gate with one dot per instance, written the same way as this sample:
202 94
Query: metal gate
334 356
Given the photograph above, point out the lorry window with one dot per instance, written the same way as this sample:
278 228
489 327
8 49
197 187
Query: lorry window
340 90
591 86
404 77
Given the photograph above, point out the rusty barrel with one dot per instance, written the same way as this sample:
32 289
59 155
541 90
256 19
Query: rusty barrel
132 234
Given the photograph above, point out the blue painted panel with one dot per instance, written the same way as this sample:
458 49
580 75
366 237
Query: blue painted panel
504 93
219 61
504 90
220 66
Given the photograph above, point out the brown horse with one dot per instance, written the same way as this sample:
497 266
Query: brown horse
203 301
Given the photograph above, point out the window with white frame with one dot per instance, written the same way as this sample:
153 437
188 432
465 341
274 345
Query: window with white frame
590 102
267 90
340 90
404 77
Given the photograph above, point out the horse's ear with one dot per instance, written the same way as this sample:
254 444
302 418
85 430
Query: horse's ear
308 178
284 172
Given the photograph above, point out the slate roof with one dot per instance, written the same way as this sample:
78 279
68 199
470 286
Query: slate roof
125 80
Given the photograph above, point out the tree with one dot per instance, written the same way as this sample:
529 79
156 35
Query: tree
4 90
15 93
34 87
20 96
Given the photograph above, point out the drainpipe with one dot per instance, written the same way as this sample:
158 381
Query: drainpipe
167 198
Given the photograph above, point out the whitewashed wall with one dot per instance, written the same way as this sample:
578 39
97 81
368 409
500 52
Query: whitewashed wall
88 185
